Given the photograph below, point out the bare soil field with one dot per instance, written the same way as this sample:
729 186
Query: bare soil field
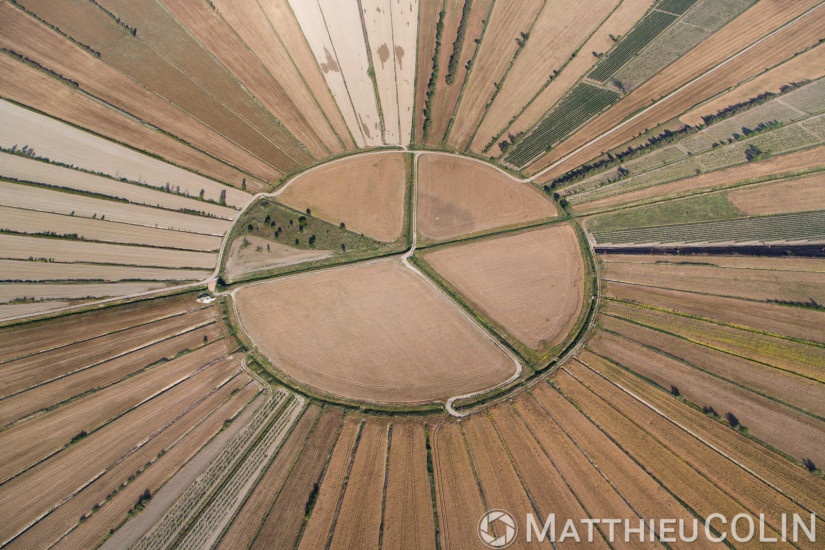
317 532
546 486
404 36
629 479
428 11
617 24
786 429
365 193
286 517
787 477
803 393
22 270
26 36
51 364
47 200
408 517
8 311
531 283
234 397
816 265
458 498
30 221
447 96
22 247
375 331
222 42
102 374
776 351
377 18
359 519
559 30
47 481
63 143
25 169
73 291
756 496
460 196
772 318
796 195
741 32
808 65
506 26
250 518
244 260
40 336
754 284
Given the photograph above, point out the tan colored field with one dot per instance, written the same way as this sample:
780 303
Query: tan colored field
753 284
63 143
797 195
404 36
378 22
531 283
807 66
25 169
791 480
447 96
216 36
242 261
22 270
21 247
778 425
408 517
742 31
627 477
366 193
362 503
773 167
617 23
460 196
285 520
10 311
48 200
559 30
249 519
73 291
755 496
374 332
30 221
772 318
733 262
506 24
798 391
782 353
459 501
26 36
317 532
427 20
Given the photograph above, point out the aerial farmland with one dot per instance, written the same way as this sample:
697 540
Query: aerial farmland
431 274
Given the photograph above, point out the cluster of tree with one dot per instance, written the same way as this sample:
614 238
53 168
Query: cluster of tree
41 68
439 30
458 44
56 29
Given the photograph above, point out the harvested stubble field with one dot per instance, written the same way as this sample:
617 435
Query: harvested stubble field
30 271
374 332
365 193
794 195
461 196
10 292
532 284
377 19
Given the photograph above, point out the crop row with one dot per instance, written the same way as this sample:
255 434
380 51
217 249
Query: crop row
578 107
789 227
188 502
675 6
642 34
225 504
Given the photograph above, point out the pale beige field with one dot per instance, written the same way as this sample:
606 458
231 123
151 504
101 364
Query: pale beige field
17 270
59 250
532 284
404 36
377 17
241 261
9 292
459 196
31 221
366 193
796 195
61 142
375 332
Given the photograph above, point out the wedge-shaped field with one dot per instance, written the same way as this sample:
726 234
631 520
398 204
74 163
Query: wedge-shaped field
458 196
364 193
531 283
374 332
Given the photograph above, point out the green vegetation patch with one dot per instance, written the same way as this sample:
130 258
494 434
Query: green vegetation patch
675 6
693 209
